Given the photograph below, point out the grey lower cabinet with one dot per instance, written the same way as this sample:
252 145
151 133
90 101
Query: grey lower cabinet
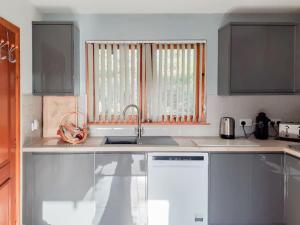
258 59
120 189
246 189
58 189
292 190
55 57
84 189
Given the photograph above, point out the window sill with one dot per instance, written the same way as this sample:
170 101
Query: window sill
147 123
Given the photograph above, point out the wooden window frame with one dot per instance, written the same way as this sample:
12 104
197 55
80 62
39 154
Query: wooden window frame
198 113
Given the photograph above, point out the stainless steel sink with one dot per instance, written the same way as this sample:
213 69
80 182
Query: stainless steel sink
146 140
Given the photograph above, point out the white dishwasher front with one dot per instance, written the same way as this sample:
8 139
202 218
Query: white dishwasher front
177 188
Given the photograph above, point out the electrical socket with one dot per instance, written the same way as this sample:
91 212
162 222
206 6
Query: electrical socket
247 121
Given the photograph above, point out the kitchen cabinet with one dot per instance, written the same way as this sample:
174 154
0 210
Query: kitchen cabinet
257 59
55 58
120 189
246 189
84 189
292 190
58 189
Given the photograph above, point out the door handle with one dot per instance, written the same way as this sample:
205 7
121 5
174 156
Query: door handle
198 219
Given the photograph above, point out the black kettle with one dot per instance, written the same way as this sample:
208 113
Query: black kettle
262 126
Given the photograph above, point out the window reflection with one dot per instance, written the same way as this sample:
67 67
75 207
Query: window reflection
68 212
116 195
158 213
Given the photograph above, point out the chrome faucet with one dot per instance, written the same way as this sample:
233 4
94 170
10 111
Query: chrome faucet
139 129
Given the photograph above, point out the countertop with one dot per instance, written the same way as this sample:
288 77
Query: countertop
189 144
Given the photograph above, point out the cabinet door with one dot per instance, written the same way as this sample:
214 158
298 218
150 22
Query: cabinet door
293 190
53 59
120 189
62 189
262 59
229 189
4 203
246 189
267 189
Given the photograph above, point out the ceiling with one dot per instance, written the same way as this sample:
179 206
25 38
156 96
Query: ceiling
167 6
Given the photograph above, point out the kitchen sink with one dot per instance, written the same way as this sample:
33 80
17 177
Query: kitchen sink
121 140
146 140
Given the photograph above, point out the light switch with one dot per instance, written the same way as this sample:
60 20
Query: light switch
34 125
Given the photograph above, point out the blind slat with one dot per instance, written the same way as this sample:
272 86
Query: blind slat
165 96
138 75
144 107
177 85
122 78
155 86
200 82
109 80
96 81
171 80
160 58
90 57
114 82
127 76
182 83
149 80
188 70
133 74
194 81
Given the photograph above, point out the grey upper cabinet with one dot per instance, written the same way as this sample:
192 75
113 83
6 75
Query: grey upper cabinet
55 58
292 190
246 189
256 59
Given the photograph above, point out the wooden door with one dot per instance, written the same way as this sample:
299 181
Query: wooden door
9 124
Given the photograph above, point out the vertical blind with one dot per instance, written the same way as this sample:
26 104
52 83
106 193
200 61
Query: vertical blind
167 81
113 80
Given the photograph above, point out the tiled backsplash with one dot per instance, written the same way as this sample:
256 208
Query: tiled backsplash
31 110
285 107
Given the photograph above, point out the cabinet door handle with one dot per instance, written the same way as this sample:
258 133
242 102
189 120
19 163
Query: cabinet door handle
199 219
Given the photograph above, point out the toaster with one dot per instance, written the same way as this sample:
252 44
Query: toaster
289 131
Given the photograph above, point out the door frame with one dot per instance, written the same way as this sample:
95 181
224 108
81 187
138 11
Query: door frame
15 202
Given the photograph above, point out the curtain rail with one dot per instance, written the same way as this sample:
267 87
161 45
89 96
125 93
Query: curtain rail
147 41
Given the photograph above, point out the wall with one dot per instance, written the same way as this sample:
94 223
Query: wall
172 27
21 13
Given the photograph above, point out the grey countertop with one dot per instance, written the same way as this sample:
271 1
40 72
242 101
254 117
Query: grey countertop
193 144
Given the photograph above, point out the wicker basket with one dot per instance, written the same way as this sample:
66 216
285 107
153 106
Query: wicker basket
61 132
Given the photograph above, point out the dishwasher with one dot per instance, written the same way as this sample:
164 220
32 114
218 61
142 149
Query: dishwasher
177 188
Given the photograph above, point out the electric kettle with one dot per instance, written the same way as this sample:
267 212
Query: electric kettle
227 128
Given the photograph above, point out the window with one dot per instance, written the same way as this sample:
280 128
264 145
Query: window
166 80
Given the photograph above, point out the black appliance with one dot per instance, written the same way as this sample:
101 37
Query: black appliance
262 126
